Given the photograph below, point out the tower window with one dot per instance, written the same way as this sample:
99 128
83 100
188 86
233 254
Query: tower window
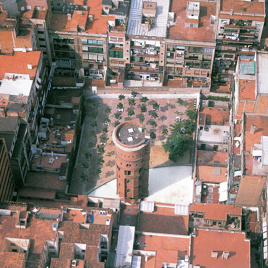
127 172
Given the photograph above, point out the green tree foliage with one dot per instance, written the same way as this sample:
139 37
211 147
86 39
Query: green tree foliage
180 101
141 118
191 114
164 131
130 112
120 105
176 145
108 110
144 99
154 114
156 106
134 94
153 135
121 97
131 102
143 109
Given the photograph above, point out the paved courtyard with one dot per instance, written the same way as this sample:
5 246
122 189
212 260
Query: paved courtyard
95 164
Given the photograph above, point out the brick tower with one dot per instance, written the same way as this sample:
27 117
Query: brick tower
132 154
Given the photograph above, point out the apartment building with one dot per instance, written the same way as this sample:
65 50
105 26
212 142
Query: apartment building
79 38
15 132
190 44
214 216
132 149
6 176
24 27
23 78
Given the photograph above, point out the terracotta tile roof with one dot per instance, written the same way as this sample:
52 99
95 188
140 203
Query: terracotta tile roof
247 89
249 107
208 158
207 241
7 42
262 105
216 116
38 238
215 211
163 220
250 190
240 110
246 8
18 63
79 18
205 31
261 123
60 22
12 259
167 249
211 174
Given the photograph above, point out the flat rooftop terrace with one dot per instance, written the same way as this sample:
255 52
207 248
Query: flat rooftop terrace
205 32
135 16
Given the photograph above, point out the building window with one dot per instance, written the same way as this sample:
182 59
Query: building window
12 244
118 168
127 172
128 181
128 165
128 190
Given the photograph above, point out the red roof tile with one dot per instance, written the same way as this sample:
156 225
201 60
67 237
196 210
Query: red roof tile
247 89
250 190
167 249
205 31
215 211
209 158
207 241
18 63
211 174
216 116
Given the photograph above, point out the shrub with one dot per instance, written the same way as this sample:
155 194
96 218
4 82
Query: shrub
153 135
144 99
143 109
121 97
85 165
130 112
108 110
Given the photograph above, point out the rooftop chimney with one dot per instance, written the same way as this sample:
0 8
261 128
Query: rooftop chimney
214 254
225 254
252 129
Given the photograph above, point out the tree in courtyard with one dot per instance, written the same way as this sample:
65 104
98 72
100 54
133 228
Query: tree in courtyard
141 118
134 94
164 131
143 109
108 110
131 102
153 124
121 97
92 134
191 114
156 106
88 155
118 116
180 101
152 135
101 150
130 112
176 145
154 115
120 105
144 99
104 130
